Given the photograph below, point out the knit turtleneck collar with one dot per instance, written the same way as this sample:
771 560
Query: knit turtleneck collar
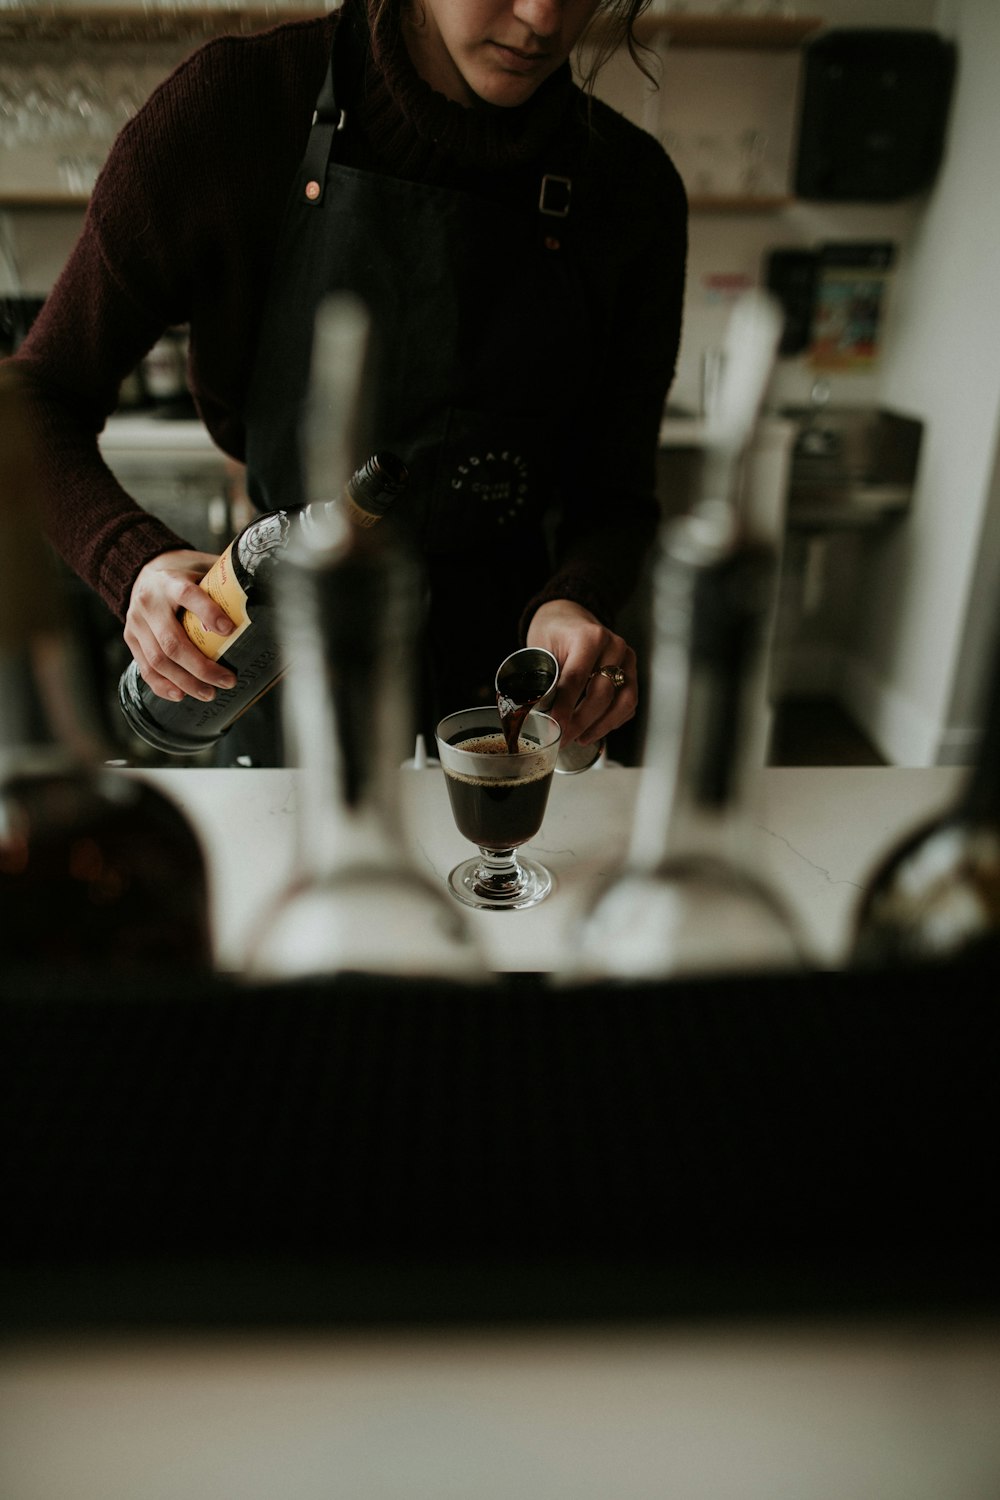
411 126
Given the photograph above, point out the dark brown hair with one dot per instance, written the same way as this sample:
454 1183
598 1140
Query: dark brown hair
613 26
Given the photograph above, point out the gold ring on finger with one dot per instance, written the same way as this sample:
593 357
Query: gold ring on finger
615 675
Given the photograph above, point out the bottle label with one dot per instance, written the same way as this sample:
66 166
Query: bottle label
355 514
221 584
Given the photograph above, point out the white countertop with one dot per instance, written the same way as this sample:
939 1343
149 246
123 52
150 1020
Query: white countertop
131 431
140 432
820 831
828 1410
678 431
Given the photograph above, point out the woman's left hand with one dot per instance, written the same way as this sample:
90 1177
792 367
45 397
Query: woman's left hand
592 659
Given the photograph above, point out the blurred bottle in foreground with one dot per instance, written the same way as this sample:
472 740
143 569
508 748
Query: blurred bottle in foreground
99 871
936 894
348 604
691 898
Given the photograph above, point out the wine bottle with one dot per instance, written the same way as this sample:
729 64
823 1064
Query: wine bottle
690 897
99 871
935 895
348 604
240 582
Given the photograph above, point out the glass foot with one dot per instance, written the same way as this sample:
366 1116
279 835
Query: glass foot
526 886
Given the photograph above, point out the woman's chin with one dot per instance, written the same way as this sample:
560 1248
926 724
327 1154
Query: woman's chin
505 90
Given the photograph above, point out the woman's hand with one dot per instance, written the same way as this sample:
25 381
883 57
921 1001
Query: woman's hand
169 662
588 706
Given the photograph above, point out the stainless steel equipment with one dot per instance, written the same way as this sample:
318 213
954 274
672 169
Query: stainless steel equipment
851 466
174 470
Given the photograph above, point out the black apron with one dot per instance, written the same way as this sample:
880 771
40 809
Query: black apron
480 349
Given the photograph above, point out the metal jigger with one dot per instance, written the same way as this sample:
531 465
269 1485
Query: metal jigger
535 660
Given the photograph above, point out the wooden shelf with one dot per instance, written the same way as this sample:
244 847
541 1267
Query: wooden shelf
42 198
739 33
108 23
735 33
738 204
734 204
113 23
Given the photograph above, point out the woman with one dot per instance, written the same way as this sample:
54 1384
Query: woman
521 249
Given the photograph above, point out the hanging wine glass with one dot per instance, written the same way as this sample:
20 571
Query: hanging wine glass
10 87
87 104
128 101
753 152
37 108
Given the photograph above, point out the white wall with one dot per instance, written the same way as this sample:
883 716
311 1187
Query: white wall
907 676
981 636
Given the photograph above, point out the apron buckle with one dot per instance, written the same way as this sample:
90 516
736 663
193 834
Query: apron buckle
553 203
322 118
554 197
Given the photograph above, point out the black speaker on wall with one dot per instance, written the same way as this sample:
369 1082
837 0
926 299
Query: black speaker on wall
873 116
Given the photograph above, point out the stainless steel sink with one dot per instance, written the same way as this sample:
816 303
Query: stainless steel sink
851 466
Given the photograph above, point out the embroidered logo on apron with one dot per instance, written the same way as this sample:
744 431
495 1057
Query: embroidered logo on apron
497 478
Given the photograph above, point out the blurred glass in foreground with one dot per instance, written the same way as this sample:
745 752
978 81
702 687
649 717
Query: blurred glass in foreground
935 895
99 871
348 600
691 898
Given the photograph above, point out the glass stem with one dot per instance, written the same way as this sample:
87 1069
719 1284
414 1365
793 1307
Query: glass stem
499 871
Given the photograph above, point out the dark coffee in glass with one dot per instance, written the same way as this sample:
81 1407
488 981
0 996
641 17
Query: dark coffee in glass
498 799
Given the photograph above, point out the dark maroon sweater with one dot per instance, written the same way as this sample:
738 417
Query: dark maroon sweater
182 227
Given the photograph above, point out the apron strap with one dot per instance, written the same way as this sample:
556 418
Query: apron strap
555 193
327 119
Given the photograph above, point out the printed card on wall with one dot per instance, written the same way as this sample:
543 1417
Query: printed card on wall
849 308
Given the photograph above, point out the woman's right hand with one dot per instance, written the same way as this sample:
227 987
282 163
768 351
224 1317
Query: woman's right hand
168 660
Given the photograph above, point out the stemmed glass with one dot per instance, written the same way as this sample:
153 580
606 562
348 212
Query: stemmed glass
498 801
